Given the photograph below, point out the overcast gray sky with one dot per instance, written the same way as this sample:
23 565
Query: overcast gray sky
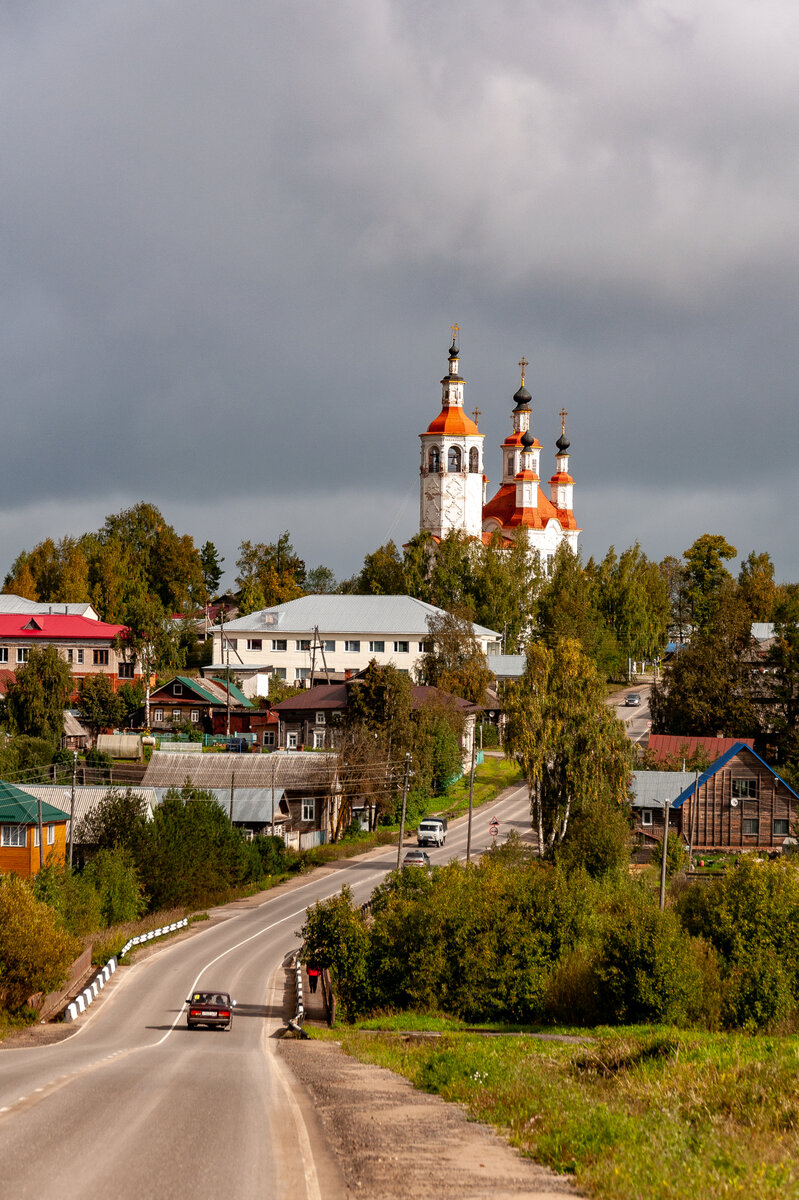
234 236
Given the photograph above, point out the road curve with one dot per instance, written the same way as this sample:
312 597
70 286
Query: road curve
137 1104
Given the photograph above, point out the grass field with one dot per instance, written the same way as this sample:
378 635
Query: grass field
489 780
631 1114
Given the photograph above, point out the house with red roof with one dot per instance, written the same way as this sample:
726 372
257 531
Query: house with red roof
88 646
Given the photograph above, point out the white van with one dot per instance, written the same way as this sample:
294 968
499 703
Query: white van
432 831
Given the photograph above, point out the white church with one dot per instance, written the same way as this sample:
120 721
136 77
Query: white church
453 486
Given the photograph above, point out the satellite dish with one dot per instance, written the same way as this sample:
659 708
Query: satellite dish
733 803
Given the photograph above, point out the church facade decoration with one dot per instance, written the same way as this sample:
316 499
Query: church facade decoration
453 489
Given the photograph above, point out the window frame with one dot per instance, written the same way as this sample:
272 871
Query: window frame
158 714
320 718
647 817
318 739
125 670
377 647
402 647
745 787
194 716
177 689
3 654
8 842
100 657
308 808
256 644
781 832
750 821
292 740
22 653
279 645
352 646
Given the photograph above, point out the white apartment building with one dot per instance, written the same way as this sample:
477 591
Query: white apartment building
317 637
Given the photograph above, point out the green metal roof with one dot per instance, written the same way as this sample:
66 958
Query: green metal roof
194 686
234 691
19 808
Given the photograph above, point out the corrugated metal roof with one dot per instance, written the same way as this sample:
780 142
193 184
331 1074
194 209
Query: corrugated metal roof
651 789
35 626
506 666
251 806
86 797
345 614
19 604
281 769
762 630
672 746
19 807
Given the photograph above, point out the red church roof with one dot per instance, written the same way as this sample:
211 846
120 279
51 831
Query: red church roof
503 509
454 422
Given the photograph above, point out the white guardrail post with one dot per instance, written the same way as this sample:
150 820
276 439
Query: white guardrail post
92 990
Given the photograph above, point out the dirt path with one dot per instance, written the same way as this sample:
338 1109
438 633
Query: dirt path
392 1142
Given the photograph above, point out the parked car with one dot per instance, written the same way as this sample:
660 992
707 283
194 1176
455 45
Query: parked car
633 700
416 858
210 1009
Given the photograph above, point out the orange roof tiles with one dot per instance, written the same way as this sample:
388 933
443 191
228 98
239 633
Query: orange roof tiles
453 421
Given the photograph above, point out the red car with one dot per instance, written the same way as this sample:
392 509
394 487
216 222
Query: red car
210 1009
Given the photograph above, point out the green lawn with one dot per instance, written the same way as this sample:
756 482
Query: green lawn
489 780
632 1114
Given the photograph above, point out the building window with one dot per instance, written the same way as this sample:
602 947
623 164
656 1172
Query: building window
79 657
434 459
255 643
302 644
230 643
4 654
329 647
377 647
100 658
177 689
352 647
320 718
279 643
402 647
454 459
751 826
646 816
14 835
781 827
158 715
302 672
744 789
318 739
269 737
124 670
308 808
510 465
291 741
51 835
176 714
22 653
195 716
279 672
474 460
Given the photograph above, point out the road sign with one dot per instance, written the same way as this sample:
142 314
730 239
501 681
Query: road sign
493 828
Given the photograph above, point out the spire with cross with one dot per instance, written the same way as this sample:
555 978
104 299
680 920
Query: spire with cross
523 364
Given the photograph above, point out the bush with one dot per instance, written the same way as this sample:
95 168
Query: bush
98 759
72 896
114 878
598 840
676 855
335 936
36 951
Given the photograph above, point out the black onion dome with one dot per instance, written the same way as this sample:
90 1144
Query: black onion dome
528 437
453 350
522 398
563 443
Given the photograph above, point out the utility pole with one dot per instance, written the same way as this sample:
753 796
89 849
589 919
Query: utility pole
72 805
666 808
41 838
471 796
232 789
404 805
694 807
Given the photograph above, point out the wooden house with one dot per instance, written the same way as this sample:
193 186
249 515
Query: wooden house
21 850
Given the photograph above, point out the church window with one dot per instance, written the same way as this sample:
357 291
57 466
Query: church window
454 459
434 459
510 465
474 460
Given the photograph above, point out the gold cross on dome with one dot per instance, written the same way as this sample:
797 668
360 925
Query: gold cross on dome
455 331
477 412
563 415
524 363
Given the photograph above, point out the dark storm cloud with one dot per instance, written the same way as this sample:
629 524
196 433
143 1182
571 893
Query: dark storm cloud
234 237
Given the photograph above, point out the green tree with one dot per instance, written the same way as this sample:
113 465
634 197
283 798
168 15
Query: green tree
113 875
709 685
382 574
572 750
320 581
756 581
706 576
782 680
211 565
672 572
169 563
120 819
335 936
36 700
506 581
568 608
454 661
275 567
36 951
153 640
100 707
633 600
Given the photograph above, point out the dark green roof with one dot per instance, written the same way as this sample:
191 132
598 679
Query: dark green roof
18 808
234 691
194 686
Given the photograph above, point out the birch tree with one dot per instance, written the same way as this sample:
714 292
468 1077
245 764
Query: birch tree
571 748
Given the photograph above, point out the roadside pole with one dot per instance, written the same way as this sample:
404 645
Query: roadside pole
72 805
666 809
404 805
41 838
232 789
694 806
471 797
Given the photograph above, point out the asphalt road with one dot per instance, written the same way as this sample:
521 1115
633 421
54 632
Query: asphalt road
636 720
136 1105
